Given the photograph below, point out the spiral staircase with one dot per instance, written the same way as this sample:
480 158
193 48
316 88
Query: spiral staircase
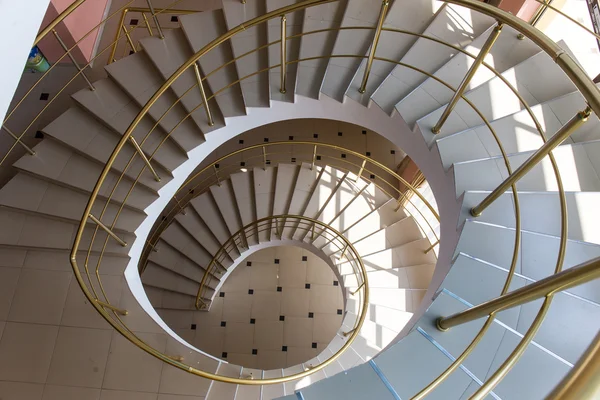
133 155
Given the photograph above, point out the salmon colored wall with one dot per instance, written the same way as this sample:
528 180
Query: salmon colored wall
523 9
73 28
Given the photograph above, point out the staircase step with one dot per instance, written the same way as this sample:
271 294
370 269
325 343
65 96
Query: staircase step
518 132
36 231
578 164
109 104
140 79
244 197
195 227
170 258
200 29
310 73
163 278
457 25
414 17
168 55
494 245
25 192
60 165
507 52
523 76
256 88
540 213
98 144
264 189
341 70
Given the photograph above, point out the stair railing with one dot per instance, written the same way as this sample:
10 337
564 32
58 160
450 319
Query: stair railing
316 153
94 242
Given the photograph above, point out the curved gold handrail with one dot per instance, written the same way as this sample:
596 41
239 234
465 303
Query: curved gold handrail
242 235
188 186
565 62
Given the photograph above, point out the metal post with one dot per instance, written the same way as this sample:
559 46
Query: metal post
217 174
158 28
107 230
115 309
283 52
556 283
129 40
362 168
113 51
264 158
16 138
467 79
346 334
312 166
203 94
66 49
143 157
560 136
147 24
344 251
382 13
357 289
432 246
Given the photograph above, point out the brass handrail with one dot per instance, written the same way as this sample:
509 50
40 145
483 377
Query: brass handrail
289 221
565 62
184 194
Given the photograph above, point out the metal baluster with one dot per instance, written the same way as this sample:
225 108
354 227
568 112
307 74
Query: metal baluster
18 140
158 28
283 53
382 13
66 49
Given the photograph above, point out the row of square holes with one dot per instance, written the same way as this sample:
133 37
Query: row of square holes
316 136
134 22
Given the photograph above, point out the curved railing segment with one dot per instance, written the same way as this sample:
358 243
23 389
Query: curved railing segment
314 153
563 60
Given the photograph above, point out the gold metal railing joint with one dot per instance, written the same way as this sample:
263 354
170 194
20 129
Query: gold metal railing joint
18 140
113 308
357 289
432 246
75 63
107 230
350 332
129 40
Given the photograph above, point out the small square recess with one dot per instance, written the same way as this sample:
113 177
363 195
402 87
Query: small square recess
339 311
282 317
311 315
224 354
276 261
224 323
254 352
221 294
304 258
252 321
283 348
314 345
307 286
279 288
249 264
250 291
336 283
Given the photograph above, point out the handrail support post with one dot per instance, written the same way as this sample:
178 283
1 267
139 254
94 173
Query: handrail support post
564 280
107 230
282 89
382 13
211 122
559 137
144 158
468 77
75 63
18 140
111 307
158 28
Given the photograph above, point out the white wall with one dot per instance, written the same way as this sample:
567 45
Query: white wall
19 25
